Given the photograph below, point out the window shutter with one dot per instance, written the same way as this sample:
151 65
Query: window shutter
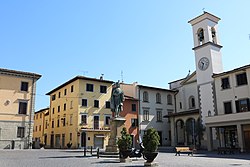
248 105
237 106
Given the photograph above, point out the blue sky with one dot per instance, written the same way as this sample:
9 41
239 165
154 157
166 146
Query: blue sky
149 40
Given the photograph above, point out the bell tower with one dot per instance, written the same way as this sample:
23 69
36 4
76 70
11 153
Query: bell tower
208 60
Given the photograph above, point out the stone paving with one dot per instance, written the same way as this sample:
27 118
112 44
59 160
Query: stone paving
75 158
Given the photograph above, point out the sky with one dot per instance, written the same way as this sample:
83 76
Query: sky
144 41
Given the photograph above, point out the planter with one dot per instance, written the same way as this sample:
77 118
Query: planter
150 156
125 153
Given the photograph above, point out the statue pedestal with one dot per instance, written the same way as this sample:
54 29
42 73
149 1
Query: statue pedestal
116 126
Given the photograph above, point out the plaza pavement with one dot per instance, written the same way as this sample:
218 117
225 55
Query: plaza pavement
75 158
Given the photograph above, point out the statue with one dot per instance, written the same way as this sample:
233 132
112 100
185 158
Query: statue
117 98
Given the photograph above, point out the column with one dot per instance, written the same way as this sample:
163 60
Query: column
240 137
209 138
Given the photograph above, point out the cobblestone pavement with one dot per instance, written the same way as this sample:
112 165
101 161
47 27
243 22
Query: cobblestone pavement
75 158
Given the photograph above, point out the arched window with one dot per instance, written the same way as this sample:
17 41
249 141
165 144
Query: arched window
169 99
158 98
213 32
191 102
145 96
200 36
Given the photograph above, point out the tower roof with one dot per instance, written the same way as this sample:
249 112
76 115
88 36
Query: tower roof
204 16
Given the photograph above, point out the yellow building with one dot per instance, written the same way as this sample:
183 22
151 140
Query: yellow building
17 101
41 121
80 113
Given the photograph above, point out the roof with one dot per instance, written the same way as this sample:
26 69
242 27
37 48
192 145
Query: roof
19 73
150 87
203 16
188 112
76 78
41 110
242 68
131 98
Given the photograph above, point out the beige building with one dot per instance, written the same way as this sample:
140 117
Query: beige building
41 122
79 113
232 118
17 96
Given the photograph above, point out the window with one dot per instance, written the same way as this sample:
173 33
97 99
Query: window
225 83
96 122
40 115
70 136
52 124
53 110
22 108
40 127
227 107
145 115
24 86
96 103
63 121
58 109
71 104
46 124
20 132
241 79
58 122
84 102
159 115
242 105
72 88
64 107
103 89
107 104
90 87
191 102
158 98
65 92
180 105
83 119
200 36
71 119
53 97
133 107
145 96
36 129
169 99
134 122
59 95
107 120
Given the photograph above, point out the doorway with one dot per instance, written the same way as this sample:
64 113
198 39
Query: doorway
83 139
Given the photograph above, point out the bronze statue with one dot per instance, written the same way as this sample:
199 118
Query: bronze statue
117 98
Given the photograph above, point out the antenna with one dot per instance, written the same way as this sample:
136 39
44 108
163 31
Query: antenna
122 76
249 36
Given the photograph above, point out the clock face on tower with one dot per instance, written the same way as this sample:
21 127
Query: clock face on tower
203 63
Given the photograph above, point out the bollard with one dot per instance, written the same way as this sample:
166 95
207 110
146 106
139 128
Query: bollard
84 151
91 150
98 152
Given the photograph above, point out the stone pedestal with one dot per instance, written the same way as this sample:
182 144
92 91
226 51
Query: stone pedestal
116 126
150 164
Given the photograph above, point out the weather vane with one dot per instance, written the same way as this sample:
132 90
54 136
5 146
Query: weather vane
203 9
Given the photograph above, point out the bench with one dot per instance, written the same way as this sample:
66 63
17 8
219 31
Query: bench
179 150
229 150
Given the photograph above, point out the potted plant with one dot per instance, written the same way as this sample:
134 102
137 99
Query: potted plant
124 144
150 142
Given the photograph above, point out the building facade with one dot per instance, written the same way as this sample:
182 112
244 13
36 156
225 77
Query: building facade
232 119
41 123
130 113
17 96
80 113
154 103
